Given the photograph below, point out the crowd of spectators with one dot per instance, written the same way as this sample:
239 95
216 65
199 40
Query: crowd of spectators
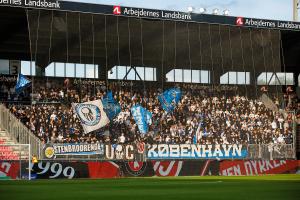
223 119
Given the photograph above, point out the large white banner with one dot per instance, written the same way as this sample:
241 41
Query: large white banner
91 115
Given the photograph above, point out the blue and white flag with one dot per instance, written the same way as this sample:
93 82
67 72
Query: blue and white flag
142 118
149 117
195 139
22 83
91 115
111 107
198 134
169 99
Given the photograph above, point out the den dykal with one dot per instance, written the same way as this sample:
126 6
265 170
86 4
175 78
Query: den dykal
32 3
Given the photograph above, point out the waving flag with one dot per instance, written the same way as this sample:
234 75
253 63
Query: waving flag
111 107
169 99
91 115
269 103
198 134
148 117
142 118
22 83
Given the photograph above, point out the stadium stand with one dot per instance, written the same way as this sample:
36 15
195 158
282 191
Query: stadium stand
222 69
230 119
237 114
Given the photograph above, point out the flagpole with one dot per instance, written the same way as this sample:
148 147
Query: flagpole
30 47
32 85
